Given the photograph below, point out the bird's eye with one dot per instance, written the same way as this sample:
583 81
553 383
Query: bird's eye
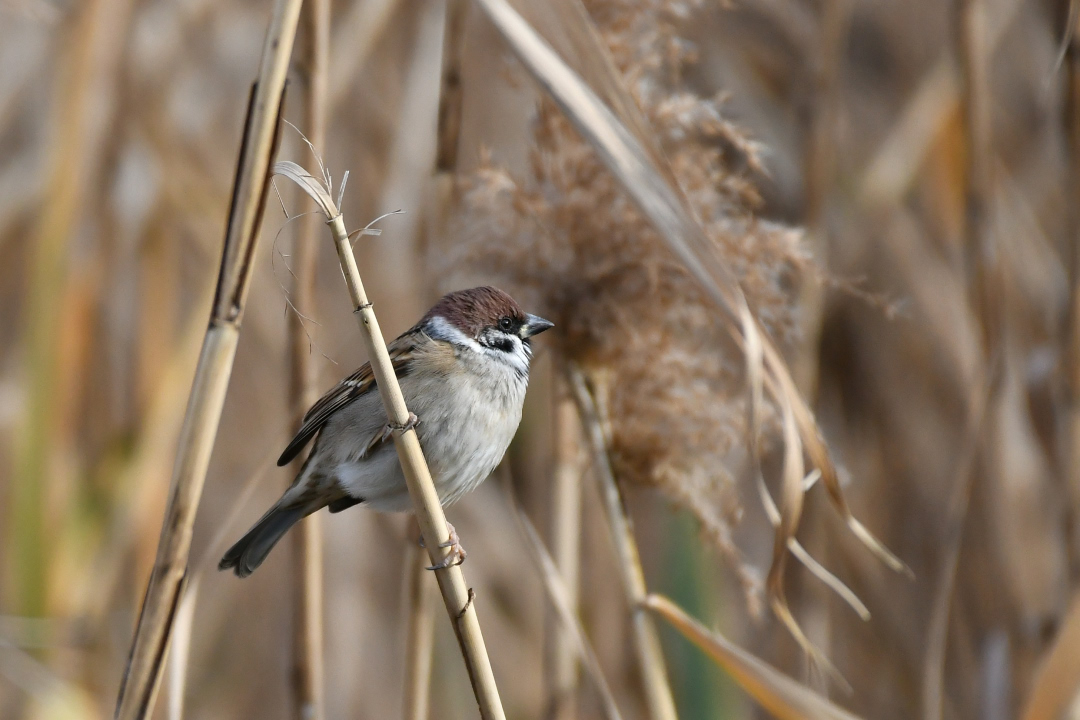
506 323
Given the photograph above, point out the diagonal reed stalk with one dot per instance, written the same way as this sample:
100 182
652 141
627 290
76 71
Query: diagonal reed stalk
650 657
457 596
307 577
149 646
184 625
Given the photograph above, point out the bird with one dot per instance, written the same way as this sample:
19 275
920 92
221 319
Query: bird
463 370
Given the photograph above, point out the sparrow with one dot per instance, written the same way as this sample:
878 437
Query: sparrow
463 370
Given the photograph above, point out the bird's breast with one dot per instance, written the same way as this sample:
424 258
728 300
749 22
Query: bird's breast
467 421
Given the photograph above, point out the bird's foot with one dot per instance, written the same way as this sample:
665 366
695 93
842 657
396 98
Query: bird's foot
457 553
411 423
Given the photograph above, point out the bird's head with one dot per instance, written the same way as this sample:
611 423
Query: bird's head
486 320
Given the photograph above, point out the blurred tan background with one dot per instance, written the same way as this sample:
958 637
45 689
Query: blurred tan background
931 322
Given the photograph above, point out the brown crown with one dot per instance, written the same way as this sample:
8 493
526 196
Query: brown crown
472 310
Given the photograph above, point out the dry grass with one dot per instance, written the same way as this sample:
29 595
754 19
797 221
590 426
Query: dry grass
842 157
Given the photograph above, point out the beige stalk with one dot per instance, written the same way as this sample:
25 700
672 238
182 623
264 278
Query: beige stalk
307 577
561 658
149 646
420 635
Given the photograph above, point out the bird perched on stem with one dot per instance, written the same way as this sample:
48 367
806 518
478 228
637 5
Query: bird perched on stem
463 370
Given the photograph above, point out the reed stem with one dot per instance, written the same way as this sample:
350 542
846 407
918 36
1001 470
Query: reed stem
562 657
1070 351
150 643
307 578
420 636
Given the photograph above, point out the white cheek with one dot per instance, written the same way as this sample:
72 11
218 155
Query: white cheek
443 330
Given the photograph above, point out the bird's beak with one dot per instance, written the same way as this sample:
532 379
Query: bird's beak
535 325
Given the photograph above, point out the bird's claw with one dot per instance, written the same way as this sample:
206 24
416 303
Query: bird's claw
411 423
457 553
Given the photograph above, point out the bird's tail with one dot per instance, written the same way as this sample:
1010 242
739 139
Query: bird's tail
250 550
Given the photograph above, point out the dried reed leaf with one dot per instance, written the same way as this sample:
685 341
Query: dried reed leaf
774 691
316 188
792 494
818 453
633 162
791 502
752 349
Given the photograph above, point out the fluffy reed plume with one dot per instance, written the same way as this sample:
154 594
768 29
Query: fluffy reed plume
566 237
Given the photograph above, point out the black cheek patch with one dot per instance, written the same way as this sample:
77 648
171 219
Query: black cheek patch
504 344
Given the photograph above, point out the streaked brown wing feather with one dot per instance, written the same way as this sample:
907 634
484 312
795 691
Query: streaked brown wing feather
354 386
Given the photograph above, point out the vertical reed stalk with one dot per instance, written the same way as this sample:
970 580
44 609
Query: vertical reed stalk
421 608
356 35
646 640
307 577
984 289
420 635
562 656
980 249
92 51
142 676
819 174
1070 441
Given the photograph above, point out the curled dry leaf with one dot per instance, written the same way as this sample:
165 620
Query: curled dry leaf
316 188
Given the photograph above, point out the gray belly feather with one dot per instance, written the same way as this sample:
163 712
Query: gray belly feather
466 425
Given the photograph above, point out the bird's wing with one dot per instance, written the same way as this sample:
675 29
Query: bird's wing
354 386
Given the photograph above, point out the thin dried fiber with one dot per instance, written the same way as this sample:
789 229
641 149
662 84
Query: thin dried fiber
568 240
